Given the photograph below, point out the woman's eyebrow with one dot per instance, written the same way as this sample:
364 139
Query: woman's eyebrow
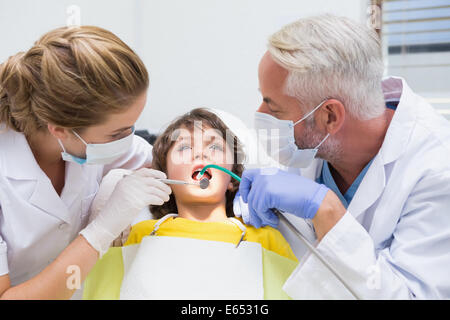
122 129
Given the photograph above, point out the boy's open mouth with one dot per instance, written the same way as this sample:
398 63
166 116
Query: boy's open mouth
196 174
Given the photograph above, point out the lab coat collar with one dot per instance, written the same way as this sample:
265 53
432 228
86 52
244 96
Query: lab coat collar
394 144
45 198
402 123
17 159
18 163
370 189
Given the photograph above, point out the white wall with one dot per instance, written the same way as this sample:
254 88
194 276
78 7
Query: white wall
23 21
198 52
205 53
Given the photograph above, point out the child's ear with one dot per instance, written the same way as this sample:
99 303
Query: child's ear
231 187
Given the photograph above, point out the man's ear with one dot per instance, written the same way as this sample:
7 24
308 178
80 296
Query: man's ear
332 115
58 132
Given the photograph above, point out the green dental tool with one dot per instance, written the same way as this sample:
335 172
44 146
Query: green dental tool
215 166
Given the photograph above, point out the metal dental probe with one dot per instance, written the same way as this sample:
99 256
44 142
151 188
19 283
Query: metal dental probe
203 184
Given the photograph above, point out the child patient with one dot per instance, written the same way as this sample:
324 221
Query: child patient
194 140
191 142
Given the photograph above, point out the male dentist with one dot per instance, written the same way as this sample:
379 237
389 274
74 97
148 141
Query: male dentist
374 159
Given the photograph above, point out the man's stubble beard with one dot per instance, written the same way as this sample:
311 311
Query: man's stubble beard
330 150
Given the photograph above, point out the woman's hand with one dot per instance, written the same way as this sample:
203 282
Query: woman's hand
132 194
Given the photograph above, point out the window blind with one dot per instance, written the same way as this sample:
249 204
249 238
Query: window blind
416 25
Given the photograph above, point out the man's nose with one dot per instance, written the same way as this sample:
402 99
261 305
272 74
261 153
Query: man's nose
263 108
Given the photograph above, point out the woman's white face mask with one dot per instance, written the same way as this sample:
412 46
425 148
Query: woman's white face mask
101 153
279 140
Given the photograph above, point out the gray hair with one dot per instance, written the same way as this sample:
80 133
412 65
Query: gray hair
331 57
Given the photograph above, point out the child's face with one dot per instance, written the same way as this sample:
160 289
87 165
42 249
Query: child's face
191 151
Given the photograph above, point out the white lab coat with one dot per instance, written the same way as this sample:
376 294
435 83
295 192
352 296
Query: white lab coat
394 240
35 223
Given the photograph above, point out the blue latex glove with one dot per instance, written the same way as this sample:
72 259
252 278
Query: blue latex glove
265 189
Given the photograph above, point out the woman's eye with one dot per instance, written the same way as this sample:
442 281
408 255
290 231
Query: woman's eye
122 134
115 136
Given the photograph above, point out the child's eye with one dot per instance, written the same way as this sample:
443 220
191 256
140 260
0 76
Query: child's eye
184 147
216 147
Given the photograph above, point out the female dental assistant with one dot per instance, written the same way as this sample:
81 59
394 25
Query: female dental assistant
67 112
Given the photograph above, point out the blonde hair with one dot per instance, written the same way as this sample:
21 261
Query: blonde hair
72 77
331 57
